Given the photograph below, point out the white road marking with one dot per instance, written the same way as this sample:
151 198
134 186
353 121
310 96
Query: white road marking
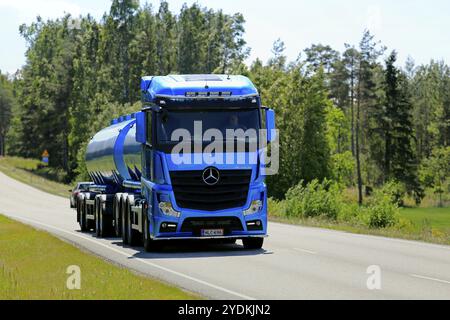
428 278
138 259
305 251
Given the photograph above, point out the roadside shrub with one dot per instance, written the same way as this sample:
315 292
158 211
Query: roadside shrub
316 199
395 191
351 213
276 208
382 212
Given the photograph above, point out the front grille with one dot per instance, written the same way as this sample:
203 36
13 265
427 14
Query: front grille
191 192
195 225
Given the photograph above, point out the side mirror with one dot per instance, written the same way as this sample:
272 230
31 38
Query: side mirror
140 127
270 125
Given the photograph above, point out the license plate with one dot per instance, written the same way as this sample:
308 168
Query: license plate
212 232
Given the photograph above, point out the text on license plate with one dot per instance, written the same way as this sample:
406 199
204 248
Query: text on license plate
212 232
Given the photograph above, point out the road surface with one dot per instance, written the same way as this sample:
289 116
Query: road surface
296 263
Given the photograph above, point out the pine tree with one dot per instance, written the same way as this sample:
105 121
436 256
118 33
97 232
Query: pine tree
396 127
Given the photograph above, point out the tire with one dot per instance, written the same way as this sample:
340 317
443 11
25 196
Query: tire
132 235
78 211
83 219
105 222
149 244
116 216
123 217
97 218
90 224
253 243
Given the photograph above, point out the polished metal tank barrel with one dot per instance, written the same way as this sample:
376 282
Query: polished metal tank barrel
113 155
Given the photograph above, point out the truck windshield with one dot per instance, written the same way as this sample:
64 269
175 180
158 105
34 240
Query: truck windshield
221 120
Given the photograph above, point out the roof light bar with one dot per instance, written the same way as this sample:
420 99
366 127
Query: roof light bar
203 94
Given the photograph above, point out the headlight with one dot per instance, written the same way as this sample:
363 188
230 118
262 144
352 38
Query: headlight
168 210
255 207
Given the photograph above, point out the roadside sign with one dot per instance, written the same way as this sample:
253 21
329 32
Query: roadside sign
45 156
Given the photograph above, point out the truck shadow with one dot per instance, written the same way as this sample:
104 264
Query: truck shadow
179 249
196 249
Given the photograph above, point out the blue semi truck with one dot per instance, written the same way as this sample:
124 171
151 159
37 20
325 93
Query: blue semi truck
145 193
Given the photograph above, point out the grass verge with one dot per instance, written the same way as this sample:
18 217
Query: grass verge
25 170
33 265
421 224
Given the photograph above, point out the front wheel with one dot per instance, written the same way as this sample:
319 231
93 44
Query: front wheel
253 243
149 244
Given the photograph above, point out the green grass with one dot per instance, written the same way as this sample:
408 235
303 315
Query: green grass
33 265
436 218
25 170
421 224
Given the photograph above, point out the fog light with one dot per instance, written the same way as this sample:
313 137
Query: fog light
255 207
255 225
167 209
168 227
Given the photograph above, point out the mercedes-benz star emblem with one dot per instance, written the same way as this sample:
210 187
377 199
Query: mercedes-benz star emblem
211 176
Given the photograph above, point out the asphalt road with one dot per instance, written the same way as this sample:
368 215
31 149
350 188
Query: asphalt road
296 262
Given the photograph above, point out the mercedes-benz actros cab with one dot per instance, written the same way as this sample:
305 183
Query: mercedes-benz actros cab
190 165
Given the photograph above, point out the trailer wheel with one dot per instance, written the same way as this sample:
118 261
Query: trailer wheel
97 218
253 243
116 216
149 244
133 235
83 218
123 215
77 204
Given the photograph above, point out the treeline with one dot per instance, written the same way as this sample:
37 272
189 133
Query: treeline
354 117
79 69
357 118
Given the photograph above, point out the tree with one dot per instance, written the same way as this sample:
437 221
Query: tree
319 55
367 99
435 171
430 96
396 128
349 61
278 60
6 106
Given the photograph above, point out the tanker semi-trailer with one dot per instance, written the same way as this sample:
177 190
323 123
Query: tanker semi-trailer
142 193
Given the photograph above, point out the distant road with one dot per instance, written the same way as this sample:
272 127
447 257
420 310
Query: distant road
296 263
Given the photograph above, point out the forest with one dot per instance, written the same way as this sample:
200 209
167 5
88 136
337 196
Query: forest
355 127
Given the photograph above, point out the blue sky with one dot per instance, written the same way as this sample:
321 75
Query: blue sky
416 28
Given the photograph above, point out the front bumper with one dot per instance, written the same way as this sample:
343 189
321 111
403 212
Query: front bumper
210 238
238 231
